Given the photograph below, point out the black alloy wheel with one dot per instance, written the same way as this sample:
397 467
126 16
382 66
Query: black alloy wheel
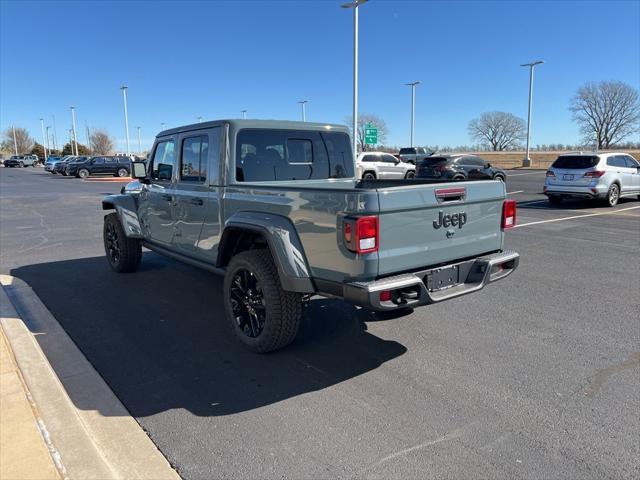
111 242
247 303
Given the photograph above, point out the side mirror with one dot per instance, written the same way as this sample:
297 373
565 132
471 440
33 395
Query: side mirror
139 170
488 165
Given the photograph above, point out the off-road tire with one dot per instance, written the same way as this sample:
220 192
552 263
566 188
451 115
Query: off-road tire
410 175
283 309
81 175
368 176
130 249
613 195
555 199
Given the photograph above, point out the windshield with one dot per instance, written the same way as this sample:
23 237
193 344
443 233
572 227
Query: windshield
578 162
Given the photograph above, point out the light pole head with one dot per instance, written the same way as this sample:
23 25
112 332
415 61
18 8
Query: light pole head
303 101
532 64
413 84
353 4
123 87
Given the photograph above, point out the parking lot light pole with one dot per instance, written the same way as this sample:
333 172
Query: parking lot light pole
161 125
15 142
413 106
49 137
86 126
139 142
45 141
526 161
303 103
199 119
355 6
244 114
55 134
126 117
73 128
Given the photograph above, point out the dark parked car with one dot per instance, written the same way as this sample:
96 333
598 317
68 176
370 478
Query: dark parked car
458 167
61 165
102 165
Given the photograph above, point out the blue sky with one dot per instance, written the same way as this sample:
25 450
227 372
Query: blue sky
212 59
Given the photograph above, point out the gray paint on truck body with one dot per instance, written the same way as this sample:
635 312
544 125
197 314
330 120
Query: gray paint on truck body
302 220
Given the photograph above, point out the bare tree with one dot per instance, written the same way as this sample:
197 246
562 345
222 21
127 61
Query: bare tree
101 142
23 140
363 120
606 112
502 130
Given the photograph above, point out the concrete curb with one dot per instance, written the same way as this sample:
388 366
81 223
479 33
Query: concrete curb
91 430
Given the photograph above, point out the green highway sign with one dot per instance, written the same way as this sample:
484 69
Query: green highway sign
370 134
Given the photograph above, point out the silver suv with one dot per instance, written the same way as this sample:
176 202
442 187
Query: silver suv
604 176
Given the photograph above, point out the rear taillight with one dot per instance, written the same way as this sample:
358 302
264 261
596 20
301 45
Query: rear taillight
509 208
361 234
594 174
550 173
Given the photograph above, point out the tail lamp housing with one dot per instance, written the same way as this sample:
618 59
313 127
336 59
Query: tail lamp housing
594 174
361 234
509 214
550 173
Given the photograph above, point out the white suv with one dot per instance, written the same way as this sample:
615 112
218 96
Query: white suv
606 176
384 166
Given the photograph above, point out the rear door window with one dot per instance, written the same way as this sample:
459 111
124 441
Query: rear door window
430 161
576 162
280 155
616 161
193 163
370 158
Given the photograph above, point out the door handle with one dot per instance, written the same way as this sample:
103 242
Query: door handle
167 197
196 201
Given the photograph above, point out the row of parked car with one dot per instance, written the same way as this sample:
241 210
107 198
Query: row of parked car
86 166
607 177
380 165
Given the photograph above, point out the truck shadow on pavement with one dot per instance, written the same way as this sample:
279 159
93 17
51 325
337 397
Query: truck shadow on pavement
159 339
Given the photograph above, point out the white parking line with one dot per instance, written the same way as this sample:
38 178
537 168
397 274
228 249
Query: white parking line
509 175
611 212
513 193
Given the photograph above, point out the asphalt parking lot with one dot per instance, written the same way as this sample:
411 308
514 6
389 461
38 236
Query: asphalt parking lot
537 376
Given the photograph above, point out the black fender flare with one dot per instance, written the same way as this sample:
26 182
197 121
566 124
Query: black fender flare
127 210
283 241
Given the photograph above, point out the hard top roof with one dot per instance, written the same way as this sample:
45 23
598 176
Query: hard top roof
237 124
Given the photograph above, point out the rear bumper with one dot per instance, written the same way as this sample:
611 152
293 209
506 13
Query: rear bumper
591 191
411 290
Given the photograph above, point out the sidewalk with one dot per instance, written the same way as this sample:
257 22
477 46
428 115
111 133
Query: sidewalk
23 450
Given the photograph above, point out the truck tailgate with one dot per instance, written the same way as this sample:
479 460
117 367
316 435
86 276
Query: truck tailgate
429 224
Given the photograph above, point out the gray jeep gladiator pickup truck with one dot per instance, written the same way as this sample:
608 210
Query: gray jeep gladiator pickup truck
275 207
